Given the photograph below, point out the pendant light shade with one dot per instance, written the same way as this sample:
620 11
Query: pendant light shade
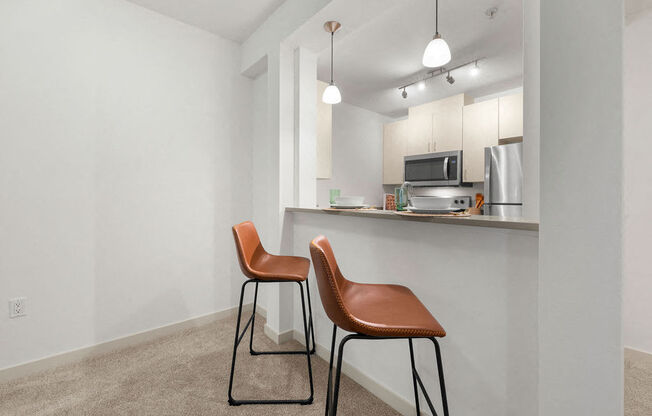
437 52
331 93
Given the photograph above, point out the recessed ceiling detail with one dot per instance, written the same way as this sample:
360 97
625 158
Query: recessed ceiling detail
233 20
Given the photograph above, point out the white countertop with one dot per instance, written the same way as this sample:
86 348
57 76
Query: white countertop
474 220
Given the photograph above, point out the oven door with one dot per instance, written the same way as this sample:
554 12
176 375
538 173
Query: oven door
430 170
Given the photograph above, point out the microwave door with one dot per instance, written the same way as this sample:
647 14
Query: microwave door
426 170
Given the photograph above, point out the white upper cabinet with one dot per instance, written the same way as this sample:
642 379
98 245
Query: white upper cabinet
447 122
395 145
436 126
510 116
323 151
420 129
480 131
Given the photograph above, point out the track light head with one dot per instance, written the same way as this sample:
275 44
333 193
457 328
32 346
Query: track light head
404 93
475 70
450 79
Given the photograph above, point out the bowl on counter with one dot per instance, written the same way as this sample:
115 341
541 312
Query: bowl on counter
429 202
349 200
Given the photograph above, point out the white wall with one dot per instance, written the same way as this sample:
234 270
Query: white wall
357 155
580 249
638 177
125 159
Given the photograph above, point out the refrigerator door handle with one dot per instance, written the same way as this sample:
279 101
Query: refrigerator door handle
446 168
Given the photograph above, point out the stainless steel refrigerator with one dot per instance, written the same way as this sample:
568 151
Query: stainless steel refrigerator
503 180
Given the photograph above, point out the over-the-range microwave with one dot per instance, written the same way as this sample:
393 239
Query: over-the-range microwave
434 169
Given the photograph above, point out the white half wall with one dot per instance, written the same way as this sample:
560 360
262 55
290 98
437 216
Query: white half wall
126 158
580 250
480 283
357 148
638 177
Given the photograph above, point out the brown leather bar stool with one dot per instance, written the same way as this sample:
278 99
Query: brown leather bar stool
372 312
262 267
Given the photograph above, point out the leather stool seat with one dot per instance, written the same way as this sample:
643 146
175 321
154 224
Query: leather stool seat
388 311
270 267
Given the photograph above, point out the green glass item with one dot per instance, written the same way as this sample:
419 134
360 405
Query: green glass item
399 194
334 194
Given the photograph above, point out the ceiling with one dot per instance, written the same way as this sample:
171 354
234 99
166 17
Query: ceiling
230 19
376 58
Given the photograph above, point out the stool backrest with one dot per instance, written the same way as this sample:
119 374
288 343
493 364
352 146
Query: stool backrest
330 281
248 246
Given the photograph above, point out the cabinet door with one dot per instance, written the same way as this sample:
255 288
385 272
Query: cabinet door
324 139
510 118
394 149
447 122
480 130
420 130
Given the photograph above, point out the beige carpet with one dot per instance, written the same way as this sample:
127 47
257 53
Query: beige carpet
638 383
187 374
183 374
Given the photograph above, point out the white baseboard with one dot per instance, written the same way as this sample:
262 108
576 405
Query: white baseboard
637 350
77 355
379 390
281 338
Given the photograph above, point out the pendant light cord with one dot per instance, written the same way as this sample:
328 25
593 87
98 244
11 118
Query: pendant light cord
436 17
332 34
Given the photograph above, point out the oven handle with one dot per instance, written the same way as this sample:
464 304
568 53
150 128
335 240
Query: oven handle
446 168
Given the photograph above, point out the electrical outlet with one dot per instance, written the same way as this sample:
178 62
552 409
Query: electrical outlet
17 307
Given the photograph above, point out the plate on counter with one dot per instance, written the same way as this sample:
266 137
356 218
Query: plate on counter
434 211
335 206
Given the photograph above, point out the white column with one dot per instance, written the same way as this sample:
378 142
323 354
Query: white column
531 106
580 253
280 109
305 125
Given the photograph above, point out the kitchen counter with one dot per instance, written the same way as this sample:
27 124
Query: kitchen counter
474 220
478 276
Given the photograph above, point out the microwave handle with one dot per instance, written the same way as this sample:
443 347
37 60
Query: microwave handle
446 168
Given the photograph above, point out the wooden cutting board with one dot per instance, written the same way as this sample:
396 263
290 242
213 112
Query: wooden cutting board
452 214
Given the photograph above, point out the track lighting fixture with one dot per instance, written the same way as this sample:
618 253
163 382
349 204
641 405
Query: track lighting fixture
421 83
437 52
331 93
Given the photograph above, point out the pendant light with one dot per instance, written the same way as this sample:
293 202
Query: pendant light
437 52
331 93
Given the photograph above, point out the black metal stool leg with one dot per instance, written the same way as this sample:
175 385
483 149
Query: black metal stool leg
235 343
238 338
330 370
311 326
251 348
440 370
414 378
307 337
338 371
253 321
